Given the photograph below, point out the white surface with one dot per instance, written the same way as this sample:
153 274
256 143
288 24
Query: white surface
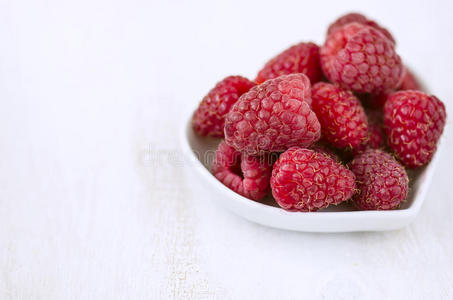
198 151
95 201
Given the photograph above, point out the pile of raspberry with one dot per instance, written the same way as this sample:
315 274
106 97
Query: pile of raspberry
321 125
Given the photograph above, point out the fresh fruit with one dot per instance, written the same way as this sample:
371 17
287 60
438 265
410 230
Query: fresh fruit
209 118
304 180
359 18
314 109
300 58
342 117
361 58
382 182
273 116
413 123
246 175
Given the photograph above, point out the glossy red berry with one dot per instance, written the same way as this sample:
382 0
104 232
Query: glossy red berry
382 183
413 123
342 117
304 180
360 58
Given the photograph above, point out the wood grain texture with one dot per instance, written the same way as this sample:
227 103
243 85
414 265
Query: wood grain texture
95 199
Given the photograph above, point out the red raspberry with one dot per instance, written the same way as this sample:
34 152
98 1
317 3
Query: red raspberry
273 116
382 182
359 18
209 118
246 175
342 117
300 58
303 180
361 59
413 122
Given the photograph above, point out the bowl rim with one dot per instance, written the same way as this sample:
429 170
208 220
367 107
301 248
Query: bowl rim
412 210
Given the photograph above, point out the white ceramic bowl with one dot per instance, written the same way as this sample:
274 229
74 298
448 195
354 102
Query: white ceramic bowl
199 152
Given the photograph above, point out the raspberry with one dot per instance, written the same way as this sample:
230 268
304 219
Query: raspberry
361 58
300 58
246 175
382 182
409 81
413 122
359 18
303 180
209 118
273 116
342 117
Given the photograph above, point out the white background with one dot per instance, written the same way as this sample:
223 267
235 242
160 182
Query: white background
95 201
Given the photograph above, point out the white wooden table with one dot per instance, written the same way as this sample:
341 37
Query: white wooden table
95 201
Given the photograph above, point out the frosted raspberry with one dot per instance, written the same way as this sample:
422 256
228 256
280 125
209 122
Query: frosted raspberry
246 175
273 116
304 180
342 117
361 58
209 118
359 18
413 123
300 58
382 182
